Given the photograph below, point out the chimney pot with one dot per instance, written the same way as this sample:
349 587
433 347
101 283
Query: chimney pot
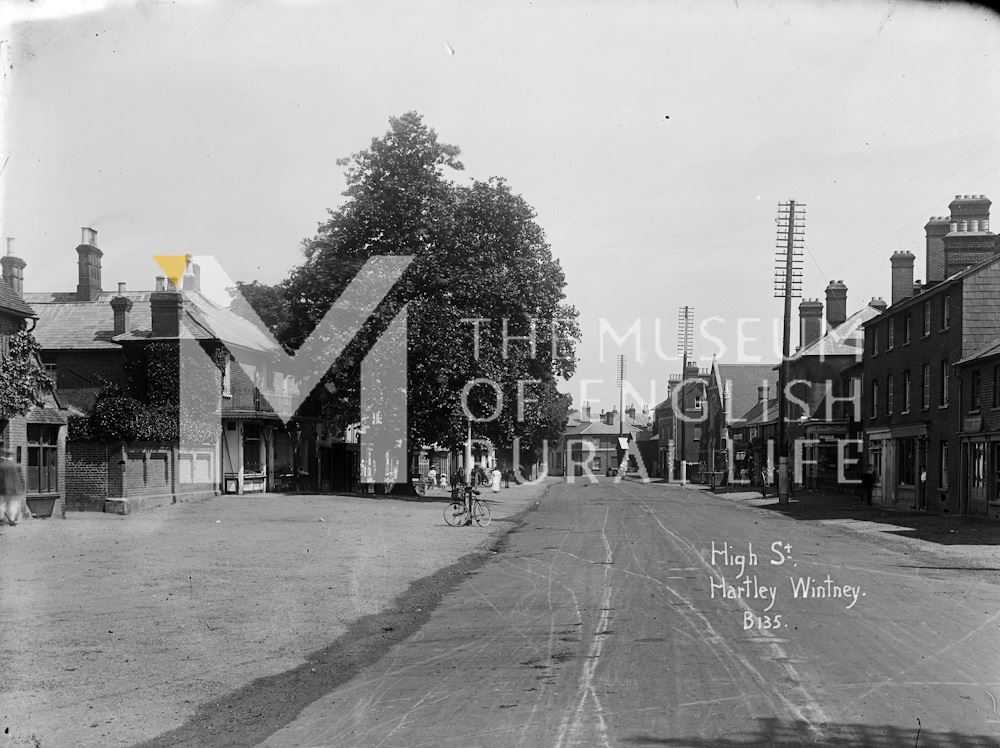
159 282
121 288
10 246
89 236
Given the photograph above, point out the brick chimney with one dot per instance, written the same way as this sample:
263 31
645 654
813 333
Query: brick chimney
192 277
935 230
585 412
836 304
13 268
121 305
165 309
89 264
810 321
878 303
902 276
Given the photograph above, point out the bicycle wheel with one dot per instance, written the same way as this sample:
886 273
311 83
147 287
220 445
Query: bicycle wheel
454 514
481 513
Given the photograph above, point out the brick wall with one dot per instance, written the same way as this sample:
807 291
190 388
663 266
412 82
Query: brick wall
122 477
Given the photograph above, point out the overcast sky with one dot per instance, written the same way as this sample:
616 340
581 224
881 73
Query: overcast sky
214 128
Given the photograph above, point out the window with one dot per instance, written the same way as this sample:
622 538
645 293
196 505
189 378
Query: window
904 464
890 336
926 325
996 386
874 331
946 312
907 327
975 390
943 392
874 398
888 395
875 461
943 454
925 389
906 391
596 464
43 458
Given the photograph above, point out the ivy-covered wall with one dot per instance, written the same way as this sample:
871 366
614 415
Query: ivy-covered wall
149 406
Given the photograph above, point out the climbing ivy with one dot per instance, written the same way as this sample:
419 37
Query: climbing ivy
22 379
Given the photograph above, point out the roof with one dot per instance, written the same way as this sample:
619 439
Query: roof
756 415
988 350
846 339
12 303
946 283
744 379
65 323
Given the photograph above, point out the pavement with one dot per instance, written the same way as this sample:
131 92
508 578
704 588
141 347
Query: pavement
116 630
975 538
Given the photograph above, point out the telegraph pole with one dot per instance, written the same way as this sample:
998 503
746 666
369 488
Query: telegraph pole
685 338
622 373
787 284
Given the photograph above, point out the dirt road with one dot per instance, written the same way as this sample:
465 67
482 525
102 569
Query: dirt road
115 630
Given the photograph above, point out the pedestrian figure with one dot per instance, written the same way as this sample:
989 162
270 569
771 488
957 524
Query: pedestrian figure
496 479
11 489
431 477
506 477
867 481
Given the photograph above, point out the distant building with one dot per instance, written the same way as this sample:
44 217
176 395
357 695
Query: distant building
680 421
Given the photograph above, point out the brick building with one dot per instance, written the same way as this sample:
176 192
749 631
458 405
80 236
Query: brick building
912 392
36 438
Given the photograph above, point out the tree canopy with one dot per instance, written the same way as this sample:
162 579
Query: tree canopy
480 255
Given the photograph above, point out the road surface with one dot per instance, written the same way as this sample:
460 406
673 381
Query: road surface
631 614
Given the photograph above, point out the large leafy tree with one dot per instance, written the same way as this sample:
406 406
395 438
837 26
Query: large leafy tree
479 253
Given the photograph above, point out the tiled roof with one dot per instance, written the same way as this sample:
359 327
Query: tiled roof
744 379
65 323
846 339
989 350
68 324
756 415
12 303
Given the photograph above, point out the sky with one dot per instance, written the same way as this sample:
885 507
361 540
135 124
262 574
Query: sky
654 140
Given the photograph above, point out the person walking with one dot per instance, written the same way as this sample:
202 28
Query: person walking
11 489
496 476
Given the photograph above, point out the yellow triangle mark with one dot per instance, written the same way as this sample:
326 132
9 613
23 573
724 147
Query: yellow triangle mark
173 266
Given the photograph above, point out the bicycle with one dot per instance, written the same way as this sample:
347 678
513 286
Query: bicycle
457 512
